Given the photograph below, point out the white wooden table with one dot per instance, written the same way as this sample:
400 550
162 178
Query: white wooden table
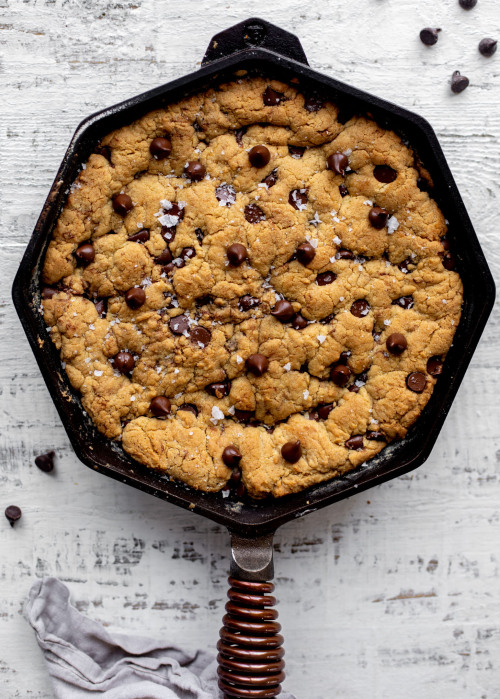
394 593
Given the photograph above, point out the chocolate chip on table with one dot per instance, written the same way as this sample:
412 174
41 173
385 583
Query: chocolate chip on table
396 343
324 278
135 297
487 47
376 436
340 375
141 236
298 199
344 254
189 407
226 194
160 147
355 443
305 253
236 254
435 366
187 254
246 302
258 364
271 179
122 204
343 190
360 308
448 261
467 4
313 103
429 36
160 406
200 335
195 170
292 451
458 82
259 156
179 325
324 410
231 456
13 513
272 98
48 292
296 151
85 253
219 389
405 302
101 306
416 382
283 311
164 257
45 462
378 217
384 173
337 163
254 214
124 362
299 322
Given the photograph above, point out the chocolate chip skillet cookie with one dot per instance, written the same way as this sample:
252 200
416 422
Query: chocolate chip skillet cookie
247 287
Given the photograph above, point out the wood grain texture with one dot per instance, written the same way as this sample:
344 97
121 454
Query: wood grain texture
394 593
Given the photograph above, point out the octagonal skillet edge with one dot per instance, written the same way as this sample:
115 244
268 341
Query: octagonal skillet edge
257 45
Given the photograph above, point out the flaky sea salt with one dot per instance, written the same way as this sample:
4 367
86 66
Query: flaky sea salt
239 360
217 414
98 373
337 240
287 366
368 202
321 338
306 394
392 225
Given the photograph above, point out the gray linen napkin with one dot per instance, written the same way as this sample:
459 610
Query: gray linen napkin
85 659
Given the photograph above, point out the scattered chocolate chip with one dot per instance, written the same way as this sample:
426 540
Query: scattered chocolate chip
135 297
199 235
296 151
124 362
340 375
271 179
384 173
105 151
195 170
344 254
101 306
168 233
236 254
45 462
179 325
355 443
48 292
467 4
378 217
324 278
298 199
299 322
375 436
360 308
247 302
416 382
13 513
305 253
190 408
429 36
458 82
226 194
231 456
85 253
435 366
448 261
219 389
343 190
258 364
487 47
405 302
122 204
160 406
239 133
283 311
396 343
337 163
160 148
292 451
313 103
187 254
259 156
272 97
200 335
254 213
324 410
164 257
403 266
141 236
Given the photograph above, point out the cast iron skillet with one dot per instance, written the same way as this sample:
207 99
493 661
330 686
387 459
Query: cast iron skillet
250 653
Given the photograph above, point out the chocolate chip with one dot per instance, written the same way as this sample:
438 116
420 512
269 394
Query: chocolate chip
231 456
283 311
405 302
272 97
435 366
359 381
85 253
247 302
305 253
48 292
403 266
259 156
45 462
226 194
340 375
204 300
343 190
292 451
271 179
199 235
298 199
375 436
324 278
164 258
258 364
429 36
396 343
337 163
160 148
101 306
296 151
449 261
467 4
190 408
219 389
195 170
179 325
135 298
344 254
299 322
313 103
168 233
122 204
239 133
105 151
324 410
160 406
124 362
360 308
344 357
244 416
458 82
487 47
378 217
187 254
384 173
141 236
416 382
254 213
236 254
174 209
355 443
13 513
200 335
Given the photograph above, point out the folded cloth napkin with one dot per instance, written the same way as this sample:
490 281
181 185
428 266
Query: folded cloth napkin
84 659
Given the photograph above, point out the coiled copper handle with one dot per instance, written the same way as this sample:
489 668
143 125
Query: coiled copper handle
250 654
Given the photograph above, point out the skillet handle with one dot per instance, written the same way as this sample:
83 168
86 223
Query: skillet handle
253 33
250 654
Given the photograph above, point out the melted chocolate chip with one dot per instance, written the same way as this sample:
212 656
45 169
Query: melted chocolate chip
344 254
254 213
337 163
487 47
429 36
160 406
239 133
226 194
219 389
403 266
244 416
124 362
298 199
45 462
13 514
160 148
292 451
247 302
283 311
378 217
85 253
449 261
258 364
122 204
416 382
135 298
296 151
305 253
313 103
340 375
190 408
199 235
231 456
355 443
204 300
375 436
359 381
179 325
396 343
236 254
325 278
343 190
168 233
272 98
259 156
458 82
48 292
101 306
271 179
200 335
324 410
435 366
141 236
164 258
360 308
187 254
384 173
195 170
299 322
405 302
